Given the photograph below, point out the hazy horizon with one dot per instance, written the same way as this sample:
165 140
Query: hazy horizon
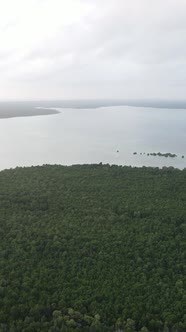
95 103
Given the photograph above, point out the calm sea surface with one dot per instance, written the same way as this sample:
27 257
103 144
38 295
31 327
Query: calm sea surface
106 134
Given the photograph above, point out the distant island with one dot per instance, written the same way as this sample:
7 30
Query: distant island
22 109
159 154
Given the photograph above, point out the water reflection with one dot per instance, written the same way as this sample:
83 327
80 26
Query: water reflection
77 136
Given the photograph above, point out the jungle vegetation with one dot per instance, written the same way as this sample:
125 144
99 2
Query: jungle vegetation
92 248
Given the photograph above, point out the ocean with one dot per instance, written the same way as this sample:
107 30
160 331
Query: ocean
85 132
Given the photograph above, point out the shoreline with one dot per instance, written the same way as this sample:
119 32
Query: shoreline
7 114
104 165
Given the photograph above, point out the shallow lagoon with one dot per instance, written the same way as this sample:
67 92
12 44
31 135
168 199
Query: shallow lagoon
78 136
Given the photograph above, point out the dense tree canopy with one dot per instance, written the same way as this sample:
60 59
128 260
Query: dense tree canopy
92 248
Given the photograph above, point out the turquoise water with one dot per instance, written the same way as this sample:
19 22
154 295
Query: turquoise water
78 136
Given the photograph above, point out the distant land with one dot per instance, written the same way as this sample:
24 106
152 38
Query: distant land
22 109
9 109
96 103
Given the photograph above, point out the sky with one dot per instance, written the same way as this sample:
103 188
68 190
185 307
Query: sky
81 49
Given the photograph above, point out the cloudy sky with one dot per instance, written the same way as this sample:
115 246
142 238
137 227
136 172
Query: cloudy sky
92 49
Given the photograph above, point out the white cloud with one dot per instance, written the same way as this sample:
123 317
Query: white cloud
92 48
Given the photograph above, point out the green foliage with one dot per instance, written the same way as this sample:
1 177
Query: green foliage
92 248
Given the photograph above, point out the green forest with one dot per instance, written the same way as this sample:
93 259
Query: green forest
92 248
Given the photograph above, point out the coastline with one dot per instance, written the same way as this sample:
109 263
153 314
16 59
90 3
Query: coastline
6 114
